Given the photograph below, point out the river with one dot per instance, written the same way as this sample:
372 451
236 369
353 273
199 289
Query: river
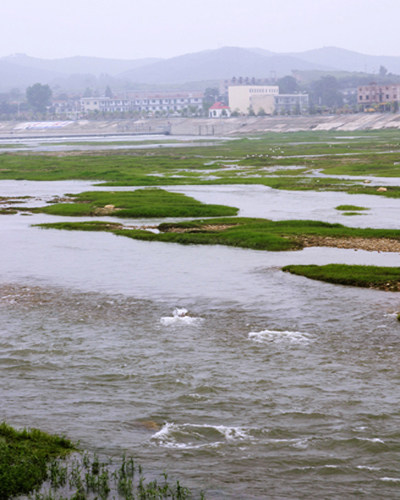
273 386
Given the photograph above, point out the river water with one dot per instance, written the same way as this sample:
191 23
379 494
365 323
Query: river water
273 386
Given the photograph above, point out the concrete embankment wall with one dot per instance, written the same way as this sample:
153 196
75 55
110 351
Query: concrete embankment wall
201 126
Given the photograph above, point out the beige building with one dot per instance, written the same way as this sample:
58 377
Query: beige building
264 102
243 97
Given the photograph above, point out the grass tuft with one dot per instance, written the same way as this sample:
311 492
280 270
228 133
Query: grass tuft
350 208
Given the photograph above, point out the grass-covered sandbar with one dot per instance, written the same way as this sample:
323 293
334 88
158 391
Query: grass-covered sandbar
290 161
150 202
256 234
377 277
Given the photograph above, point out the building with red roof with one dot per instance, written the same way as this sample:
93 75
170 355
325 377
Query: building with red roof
218 110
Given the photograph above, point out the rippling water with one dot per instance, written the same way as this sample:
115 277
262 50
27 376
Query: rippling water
268 386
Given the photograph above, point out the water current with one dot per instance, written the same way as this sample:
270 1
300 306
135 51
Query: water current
209 362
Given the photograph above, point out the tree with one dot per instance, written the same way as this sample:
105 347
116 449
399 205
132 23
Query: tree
210 96
288 85
382 71
108 92
325 91
39 96
88 92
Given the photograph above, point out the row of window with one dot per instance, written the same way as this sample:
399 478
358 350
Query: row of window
374 97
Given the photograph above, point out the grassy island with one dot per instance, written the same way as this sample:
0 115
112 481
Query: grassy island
150 202
256 234
380 278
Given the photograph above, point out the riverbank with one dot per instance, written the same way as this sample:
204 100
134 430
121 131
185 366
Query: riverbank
237 126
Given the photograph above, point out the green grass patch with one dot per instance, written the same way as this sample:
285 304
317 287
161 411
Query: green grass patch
256 234
149 203
381 278
37 464
350 208
24 457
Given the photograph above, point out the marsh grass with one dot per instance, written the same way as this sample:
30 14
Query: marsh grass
24 456
381 278
37 464
151 202
89 477
256 234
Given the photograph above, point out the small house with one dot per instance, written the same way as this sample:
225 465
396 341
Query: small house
218 110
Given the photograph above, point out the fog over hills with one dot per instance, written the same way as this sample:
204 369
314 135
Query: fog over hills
348 60
218 64
21 70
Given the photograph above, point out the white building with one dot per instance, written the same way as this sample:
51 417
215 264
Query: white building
241 96
219 110
150 102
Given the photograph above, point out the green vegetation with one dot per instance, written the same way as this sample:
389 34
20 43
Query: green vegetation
257 234
352 208
290 161
134 204
24 456
381 278
30 464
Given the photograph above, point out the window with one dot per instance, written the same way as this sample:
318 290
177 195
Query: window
367 97
387 96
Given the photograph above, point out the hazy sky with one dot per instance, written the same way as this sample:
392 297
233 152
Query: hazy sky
130 29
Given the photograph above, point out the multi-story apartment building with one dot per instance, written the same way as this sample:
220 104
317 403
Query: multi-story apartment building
166 101
245 97
371 94
151 102
265 99
291 103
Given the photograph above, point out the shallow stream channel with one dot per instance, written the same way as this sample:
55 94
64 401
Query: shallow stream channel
269 386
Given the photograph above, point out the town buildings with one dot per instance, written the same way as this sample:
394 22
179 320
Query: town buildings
150 102
265 99
371 95
243 98
291 103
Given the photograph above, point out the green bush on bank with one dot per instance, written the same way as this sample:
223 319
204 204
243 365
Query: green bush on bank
24 456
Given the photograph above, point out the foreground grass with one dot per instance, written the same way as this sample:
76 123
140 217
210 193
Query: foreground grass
136 204
381 278
24 456
256 234
35 463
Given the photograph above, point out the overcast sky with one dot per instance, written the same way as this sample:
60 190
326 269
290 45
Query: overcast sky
130 29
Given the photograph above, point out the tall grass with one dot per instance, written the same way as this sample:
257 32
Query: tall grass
35 463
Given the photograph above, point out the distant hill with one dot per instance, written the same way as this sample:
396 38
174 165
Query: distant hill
219 64
12 75
79 64
348 60
77 73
